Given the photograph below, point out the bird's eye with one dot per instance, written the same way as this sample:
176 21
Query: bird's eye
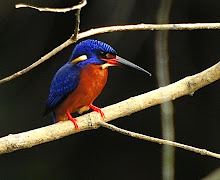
104 55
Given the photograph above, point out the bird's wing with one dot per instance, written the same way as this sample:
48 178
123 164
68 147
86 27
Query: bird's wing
64 82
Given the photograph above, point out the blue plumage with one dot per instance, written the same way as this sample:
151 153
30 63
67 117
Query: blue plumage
91 48
67 77
78 83
64 82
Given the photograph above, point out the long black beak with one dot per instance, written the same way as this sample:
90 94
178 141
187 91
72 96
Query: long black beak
121 61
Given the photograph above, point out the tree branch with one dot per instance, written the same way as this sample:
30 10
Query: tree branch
159 141
186 86
56 10
91 32
76 31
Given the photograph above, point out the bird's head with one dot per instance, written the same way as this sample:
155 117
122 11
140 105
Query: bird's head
97 52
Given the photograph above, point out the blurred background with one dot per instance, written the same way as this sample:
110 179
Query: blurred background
27 34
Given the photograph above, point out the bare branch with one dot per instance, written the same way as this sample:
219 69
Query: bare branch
152 27
54 51
88 121
76 31
91 32
159 141
38 62
56 10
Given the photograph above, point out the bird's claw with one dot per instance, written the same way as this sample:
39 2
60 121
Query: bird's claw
73 120
97 109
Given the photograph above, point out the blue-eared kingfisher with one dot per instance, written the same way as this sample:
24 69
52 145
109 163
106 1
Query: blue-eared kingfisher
79 82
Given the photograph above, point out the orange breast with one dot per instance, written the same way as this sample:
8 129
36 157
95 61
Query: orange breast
92 81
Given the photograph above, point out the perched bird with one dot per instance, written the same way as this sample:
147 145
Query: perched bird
79 82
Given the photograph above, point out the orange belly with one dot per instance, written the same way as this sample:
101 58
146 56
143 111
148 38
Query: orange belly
92 81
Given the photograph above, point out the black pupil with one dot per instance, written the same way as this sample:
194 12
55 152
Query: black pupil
102 54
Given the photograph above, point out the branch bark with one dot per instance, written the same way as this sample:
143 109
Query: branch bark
186 86
101 30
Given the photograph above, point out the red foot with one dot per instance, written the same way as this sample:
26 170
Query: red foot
94 108
72 119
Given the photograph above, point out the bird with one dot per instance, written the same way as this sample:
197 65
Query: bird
79 82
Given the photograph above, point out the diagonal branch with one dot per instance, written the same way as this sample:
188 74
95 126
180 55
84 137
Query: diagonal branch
186 86
159 141
101 30
72 39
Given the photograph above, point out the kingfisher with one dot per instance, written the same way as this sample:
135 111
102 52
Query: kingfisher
79 82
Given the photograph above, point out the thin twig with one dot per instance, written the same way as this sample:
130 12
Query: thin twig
54 51
91 32
186 86
159 141
56 10
76 31
38 62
